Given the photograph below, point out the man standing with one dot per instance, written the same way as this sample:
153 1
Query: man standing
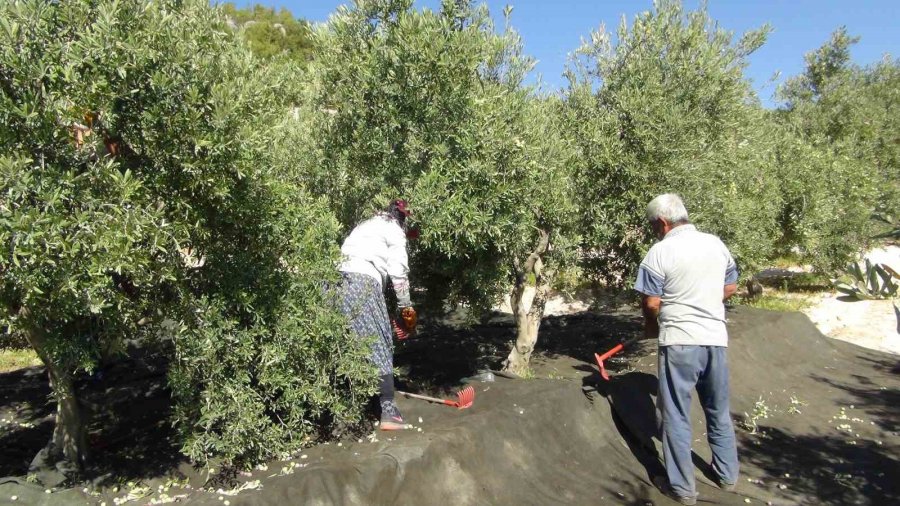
684 279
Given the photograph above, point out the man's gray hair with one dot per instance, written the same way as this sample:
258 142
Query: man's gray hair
669 207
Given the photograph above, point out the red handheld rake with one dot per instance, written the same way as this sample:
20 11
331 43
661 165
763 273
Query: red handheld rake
616 349
401 333
464 398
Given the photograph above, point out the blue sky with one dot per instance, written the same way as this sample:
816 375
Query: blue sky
553 28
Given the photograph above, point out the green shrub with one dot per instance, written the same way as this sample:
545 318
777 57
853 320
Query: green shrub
272 34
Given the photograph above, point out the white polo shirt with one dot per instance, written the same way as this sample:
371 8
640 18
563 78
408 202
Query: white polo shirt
688 270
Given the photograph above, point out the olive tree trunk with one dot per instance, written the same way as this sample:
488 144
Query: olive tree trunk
528 298
68 444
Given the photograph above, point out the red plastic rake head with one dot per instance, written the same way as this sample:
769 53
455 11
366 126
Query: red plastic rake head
401 334
465 397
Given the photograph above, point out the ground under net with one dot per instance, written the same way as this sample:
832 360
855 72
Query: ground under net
818 422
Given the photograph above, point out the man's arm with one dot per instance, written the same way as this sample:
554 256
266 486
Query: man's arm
650 282
650 307
731 275
729 291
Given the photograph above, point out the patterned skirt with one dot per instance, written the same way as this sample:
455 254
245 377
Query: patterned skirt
364 306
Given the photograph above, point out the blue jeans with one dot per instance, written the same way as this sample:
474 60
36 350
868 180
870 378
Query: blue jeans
681 369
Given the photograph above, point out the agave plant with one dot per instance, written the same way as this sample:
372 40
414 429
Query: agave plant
893 225
877 281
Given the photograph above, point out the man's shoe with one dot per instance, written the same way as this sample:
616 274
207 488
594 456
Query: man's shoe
724 485
683 499
391 418
662 483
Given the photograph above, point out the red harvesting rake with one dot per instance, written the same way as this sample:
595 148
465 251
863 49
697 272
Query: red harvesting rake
464 398
401 333
616 349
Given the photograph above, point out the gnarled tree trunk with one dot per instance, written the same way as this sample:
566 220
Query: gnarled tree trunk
528 315
67 448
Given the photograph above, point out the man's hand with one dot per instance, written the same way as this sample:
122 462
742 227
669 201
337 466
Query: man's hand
729 291
650 307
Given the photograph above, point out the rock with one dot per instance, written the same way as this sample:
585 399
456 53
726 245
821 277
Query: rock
754 288
51 475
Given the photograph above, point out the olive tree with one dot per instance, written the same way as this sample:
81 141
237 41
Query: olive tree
84 239
431 106
838 153
827 200
148 191
666 108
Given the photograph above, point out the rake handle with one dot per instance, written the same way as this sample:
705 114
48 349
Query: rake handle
426 398
616 349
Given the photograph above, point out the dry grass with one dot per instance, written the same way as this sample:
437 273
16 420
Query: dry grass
793 292
780 300
17 358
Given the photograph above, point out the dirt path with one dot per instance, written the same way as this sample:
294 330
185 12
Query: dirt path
873 324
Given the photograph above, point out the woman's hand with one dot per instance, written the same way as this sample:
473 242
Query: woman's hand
410 319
